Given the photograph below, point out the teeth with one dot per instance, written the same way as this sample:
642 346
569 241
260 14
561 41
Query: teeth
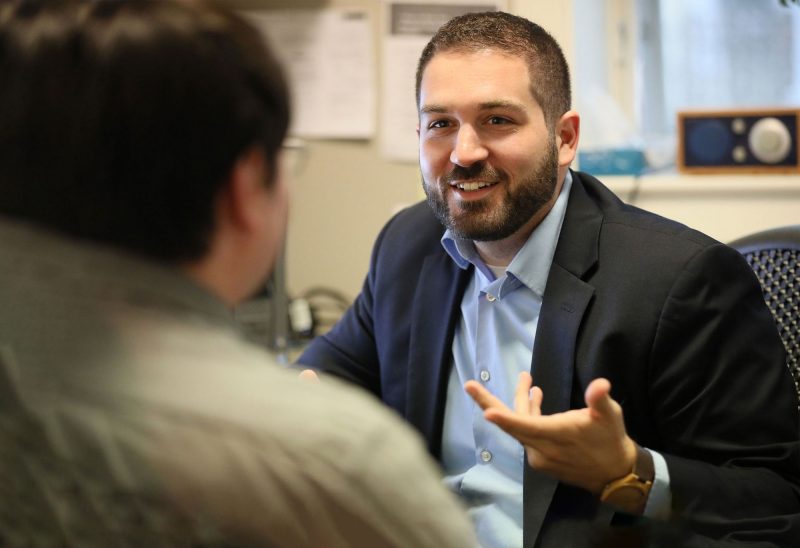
472 186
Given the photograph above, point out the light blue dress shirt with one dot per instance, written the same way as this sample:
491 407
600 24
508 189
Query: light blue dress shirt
493 343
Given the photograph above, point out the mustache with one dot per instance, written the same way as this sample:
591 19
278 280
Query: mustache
480 171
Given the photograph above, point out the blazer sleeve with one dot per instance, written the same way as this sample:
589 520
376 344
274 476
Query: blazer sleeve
725 402
349 350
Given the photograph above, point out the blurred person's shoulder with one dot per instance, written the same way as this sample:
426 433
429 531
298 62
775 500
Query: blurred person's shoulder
323 463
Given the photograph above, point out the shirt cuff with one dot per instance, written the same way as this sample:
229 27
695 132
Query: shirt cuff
659 502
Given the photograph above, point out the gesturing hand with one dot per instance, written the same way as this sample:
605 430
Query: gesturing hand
584 447
309 375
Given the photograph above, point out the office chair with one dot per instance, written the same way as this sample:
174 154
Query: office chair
774 255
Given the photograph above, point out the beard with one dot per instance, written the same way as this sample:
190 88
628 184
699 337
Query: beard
484 220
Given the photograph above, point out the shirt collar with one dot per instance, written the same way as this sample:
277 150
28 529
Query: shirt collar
532 262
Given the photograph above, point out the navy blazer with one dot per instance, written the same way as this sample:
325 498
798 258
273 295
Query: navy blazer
674 319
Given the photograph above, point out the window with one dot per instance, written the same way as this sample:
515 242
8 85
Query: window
639 62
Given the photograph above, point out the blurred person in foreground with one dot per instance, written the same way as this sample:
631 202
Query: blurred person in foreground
630 363
141 197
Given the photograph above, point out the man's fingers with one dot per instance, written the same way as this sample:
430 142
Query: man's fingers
309 375
536 397
598 397
484 398
524 429
522 396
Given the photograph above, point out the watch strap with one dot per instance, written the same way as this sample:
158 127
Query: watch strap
639 480
643 467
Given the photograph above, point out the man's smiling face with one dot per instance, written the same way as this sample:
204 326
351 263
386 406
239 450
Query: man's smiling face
489 163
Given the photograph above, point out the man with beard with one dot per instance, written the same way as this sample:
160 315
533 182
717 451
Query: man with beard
631 364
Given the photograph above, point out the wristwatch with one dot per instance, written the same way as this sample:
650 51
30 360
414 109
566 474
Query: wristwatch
629 493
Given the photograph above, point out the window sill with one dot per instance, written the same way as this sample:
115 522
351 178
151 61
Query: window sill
725 207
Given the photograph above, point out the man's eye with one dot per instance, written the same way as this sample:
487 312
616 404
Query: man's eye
437 124
495 120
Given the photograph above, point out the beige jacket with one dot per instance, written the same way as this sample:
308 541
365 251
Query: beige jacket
134 414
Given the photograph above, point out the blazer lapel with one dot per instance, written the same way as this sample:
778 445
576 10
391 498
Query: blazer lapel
565 300
436 309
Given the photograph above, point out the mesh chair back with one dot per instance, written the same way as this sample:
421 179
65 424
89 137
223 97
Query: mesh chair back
774 255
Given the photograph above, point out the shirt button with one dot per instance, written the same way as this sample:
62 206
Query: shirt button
486 456
485 376
490 298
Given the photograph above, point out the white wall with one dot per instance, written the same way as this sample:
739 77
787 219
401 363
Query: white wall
343 194
725 207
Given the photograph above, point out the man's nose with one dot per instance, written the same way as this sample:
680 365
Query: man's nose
468 147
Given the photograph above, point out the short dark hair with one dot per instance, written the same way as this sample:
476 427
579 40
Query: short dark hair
547 67
120 121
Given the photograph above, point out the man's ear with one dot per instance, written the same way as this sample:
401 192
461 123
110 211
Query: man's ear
242 195
567 132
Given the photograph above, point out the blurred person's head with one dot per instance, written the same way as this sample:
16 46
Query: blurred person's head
151 126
